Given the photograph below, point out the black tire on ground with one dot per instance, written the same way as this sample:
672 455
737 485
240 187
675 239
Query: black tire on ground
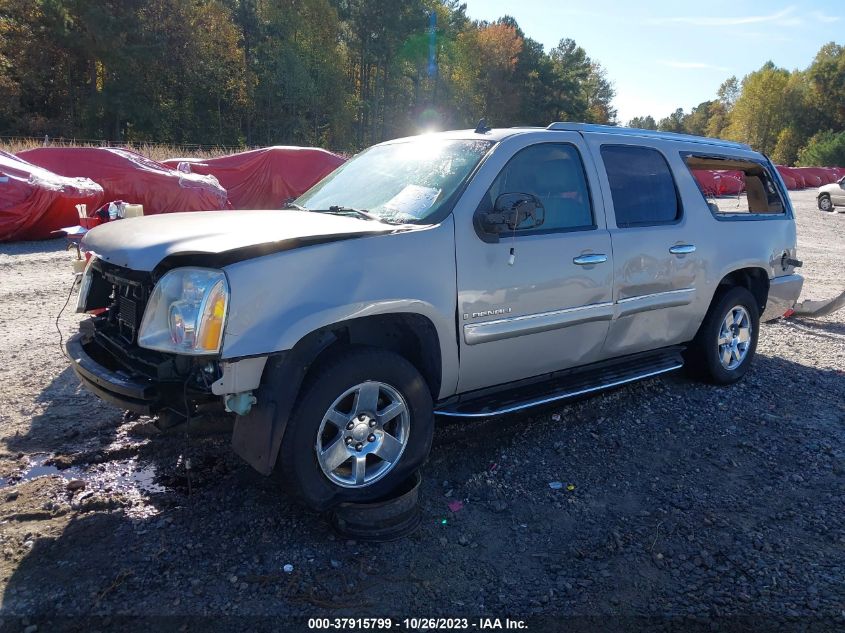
825 203
297 465
702 356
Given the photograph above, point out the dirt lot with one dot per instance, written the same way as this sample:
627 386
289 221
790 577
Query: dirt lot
679 498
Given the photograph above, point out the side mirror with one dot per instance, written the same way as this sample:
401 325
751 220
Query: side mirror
514 212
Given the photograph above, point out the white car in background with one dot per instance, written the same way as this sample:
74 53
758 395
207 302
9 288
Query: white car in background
832 195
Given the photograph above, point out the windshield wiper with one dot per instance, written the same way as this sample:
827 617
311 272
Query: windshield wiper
292 205
361 213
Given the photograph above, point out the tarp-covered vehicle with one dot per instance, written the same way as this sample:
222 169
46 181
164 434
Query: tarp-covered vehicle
720 182
129 176
34 202
264 178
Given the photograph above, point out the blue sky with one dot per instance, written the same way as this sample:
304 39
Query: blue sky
664 55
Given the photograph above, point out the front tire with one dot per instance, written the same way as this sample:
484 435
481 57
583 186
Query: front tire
726 342
363 424
825 203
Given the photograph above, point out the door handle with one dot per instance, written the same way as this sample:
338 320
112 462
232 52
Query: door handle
682 249
589 260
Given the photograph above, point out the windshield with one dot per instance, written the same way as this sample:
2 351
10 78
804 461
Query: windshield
405 182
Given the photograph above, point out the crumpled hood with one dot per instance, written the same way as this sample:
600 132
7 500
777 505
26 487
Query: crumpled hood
141 243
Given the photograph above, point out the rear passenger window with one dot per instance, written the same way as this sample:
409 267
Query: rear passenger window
735 187
555 174
641 185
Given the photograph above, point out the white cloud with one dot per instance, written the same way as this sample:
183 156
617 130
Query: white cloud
821 17
780 17
671 63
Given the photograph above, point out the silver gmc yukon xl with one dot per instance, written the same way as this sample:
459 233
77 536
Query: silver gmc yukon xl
462 274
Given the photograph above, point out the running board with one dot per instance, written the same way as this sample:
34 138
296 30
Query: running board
561 385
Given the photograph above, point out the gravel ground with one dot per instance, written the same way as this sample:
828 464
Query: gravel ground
678 499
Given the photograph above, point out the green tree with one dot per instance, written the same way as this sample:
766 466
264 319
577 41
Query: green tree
599 92
788 144
674 122
826 76
698 120
824 149
571 69
643 122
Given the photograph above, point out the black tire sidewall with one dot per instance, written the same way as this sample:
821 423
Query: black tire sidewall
297 461
830 202
707 342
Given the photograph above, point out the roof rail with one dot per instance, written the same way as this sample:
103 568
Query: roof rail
612 129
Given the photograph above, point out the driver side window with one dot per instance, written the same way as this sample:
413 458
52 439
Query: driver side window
554 173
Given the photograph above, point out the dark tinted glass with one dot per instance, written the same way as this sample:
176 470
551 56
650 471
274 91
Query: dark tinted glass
641 185
554 173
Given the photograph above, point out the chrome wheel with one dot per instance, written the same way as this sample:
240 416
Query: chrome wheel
825 204
363 434
734 337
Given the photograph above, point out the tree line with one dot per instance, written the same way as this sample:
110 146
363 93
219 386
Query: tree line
341 74
795 117
345 74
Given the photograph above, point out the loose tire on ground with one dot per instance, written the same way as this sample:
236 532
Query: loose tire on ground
332 391
707 354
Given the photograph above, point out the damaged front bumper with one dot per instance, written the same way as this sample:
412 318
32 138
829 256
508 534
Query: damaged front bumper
118 376
111 383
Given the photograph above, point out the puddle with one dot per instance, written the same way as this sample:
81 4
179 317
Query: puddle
115 476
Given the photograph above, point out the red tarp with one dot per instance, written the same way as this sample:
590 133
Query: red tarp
131 177
264 178
791 178
34 202
811 178
721 182
824 174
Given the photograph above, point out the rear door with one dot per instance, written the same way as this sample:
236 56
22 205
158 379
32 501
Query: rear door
538 300
657 269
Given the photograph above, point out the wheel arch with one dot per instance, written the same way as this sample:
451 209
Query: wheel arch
754 278
258 435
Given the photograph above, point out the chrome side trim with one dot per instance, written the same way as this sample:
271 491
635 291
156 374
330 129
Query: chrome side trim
654 301
561 396
475 333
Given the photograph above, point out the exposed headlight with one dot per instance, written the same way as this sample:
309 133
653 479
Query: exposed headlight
85 285
186 312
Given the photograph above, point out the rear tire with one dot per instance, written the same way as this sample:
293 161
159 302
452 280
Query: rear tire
726 342
825 203
387 404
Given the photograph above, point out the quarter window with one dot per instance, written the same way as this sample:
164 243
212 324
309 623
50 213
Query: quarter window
734 187
641 185
555 174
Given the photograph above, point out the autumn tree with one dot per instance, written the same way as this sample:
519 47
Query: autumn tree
760 112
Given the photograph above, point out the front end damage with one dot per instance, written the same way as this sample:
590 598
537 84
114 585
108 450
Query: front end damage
109 362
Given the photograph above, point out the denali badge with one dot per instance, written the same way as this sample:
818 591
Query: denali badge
485 313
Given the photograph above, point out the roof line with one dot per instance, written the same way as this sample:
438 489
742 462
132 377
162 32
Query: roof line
611 129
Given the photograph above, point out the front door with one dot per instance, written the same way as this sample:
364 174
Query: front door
538 300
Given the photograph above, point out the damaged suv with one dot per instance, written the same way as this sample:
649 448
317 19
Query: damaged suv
464 274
